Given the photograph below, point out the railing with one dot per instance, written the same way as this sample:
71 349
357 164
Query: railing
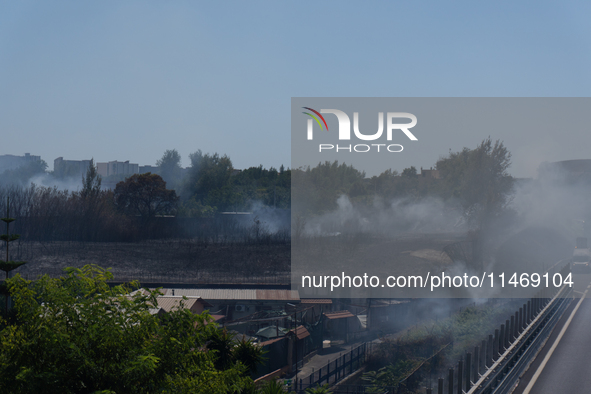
176 277
497 363
334 371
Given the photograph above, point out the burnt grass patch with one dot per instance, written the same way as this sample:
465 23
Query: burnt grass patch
162 261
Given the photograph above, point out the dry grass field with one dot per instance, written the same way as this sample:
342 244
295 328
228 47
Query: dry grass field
163 261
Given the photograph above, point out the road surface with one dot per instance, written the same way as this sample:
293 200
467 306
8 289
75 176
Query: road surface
564 364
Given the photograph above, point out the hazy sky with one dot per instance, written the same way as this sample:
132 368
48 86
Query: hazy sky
126 80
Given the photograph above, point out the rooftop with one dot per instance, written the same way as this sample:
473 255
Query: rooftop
236 294
338 315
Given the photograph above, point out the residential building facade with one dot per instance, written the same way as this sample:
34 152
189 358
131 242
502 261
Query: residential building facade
70 168
11 162
117 168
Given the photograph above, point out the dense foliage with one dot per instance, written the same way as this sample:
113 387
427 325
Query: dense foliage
170 168
212 184
75 334
145 195
432 346
478 178
475 182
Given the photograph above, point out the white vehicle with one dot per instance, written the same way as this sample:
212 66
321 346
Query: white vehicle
581 261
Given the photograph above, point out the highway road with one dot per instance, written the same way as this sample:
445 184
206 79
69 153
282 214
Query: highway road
564 364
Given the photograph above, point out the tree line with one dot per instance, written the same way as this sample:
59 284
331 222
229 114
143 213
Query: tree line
475 180
209 185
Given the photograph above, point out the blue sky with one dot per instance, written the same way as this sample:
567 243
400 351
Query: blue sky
125 80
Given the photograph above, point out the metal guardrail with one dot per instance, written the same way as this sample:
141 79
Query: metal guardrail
529 354
506 371
499 362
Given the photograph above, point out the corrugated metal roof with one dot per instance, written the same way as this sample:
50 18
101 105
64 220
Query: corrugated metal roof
140 291
271 341
339 315
168 303
237 294
281 295
216 294
155 311
271 332
316 301
301 332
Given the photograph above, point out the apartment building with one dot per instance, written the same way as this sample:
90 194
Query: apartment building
117 167
70 168
10 162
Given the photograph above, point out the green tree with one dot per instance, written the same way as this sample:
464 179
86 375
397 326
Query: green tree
269 186
272 387
208 179
410 172
91 183
91 203
170 168
321 186
77 334
388 376
223 344
229 351
319 390
479 179
248 355
145 195
194 209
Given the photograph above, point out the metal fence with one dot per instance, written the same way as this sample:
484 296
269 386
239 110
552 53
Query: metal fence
334 371
176 277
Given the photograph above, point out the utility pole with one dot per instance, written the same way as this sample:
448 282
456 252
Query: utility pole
7 265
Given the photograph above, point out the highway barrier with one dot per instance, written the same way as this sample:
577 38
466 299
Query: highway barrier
496 365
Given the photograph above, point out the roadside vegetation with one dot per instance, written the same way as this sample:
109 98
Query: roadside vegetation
431 347
76 334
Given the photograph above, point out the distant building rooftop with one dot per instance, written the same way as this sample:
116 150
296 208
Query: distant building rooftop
236 294
116 168
338 315
316 301
169 303
10 162
271 332
566 170
300 332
